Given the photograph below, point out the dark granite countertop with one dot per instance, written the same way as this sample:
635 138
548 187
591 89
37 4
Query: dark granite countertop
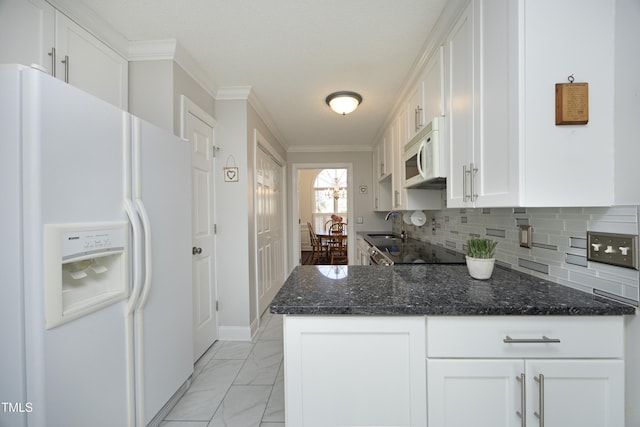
430 289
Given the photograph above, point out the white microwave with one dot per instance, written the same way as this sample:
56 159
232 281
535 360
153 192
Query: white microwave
423 159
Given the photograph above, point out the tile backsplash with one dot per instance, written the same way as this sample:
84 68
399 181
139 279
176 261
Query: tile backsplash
559 241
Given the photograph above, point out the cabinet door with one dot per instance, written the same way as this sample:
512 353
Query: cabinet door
585 393
400 139
460 104
415 110
87 63
465 393
26 31
496 149
433 86
355 371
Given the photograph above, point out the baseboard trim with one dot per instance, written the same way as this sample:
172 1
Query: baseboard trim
164 411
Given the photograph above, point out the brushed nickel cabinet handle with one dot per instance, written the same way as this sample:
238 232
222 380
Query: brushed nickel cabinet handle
473 170
523 401
543 340
540 413
52 54
465 197
65 61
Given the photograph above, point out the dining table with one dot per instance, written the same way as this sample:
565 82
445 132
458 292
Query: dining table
327 236
332 239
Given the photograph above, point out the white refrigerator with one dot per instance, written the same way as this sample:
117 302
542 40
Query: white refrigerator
95 253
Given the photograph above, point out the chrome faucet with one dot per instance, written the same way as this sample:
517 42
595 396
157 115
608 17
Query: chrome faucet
386 218
403 234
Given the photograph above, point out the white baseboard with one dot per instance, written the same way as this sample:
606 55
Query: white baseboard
164 411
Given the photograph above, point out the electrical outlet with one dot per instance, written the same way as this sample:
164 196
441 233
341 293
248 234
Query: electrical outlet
524 236
614 249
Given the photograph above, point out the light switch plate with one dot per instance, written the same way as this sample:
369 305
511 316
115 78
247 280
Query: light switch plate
612 248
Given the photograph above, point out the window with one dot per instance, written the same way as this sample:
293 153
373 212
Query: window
330 196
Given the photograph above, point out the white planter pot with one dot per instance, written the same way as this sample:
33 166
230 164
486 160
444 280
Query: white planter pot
480 268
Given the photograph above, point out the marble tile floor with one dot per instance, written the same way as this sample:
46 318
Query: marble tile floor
236 383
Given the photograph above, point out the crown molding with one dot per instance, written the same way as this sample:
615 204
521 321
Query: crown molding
233 93
170 49
328 148
152 50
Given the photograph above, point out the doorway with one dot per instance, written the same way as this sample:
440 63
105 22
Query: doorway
300 195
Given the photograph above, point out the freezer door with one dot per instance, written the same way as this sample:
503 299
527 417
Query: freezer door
164 320
76 373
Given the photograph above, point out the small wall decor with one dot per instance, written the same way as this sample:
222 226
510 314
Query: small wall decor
231 172
572 103
364 189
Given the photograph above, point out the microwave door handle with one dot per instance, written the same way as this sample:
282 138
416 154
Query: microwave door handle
421 148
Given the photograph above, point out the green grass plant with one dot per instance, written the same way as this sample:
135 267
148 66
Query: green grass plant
481 248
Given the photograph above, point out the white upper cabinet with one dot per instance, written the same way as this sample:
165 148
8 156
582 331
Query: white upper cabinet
41 35
433 86
27 32
459 107
426 100
87 63
502 61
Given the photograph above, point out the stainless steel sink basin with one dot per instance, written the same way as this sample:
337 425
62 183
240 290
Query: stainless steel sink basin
383 236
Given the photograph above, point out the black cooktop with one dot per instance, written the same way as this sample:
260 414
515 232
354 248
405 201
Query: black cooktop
414 251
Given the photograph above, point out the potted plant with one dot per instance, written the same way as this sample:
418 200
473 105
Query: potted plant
480 260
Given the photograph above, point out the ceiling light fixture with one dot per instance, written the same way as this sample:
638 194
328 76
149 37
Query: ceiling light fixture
343 102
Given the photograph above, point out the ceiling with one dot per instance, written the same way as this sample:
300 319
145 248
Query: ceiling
293 53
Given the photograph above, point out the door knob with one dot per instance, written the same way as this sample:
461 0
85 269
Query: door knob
196 251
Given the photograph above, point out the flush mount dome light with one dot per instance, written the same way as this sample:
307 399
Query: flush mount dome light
343 102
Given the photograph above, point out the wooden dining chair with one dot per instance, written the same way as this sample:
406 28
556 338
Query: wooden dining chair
338 247
319 250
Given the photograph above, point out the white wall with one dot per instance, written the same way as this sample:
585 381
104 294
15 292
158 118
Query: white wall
232 211
150 92
235 241
155 88
627 103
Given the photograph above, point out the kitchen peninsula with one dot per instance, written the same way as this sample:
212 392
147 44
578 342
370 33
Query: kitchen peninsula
413 345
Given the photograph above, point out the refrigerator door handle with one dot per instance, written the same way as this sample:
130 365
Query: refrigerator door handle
146 227
136 256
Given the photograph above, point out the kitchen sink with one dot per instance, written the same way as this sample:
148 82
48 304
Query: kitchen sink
383 236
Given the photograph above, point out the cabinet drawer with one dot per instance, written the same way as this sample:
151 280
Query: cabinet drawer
485 336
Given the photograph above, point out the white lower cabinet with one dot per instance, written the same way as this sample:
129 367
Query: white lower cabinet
542 371
550 393
354 371
484 371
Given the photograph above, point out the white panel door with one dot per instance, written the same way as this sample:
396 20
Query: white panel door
465 393
205 323
269 229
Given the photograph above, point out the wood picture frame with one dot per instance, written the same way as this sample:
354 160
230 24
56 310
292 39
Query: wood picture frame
572 103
